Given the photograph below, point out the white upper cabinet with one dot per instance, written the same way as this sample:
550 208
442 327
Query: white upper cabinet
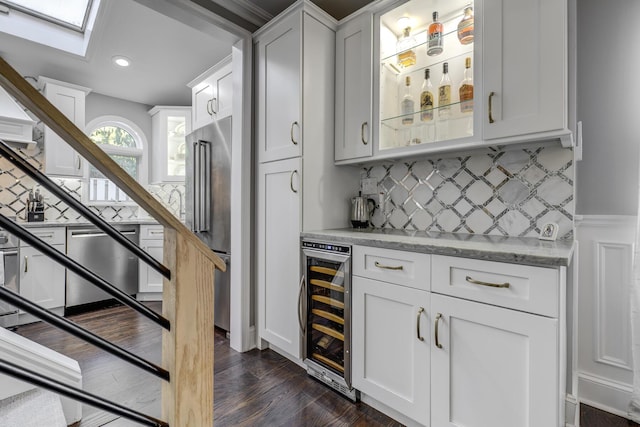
524 67
169 126
353 89
60 158
279 90
506 80
212 94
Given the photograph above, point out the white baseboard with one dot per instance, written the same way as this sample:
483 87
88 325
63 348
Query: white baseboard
605 394
149 296
572 411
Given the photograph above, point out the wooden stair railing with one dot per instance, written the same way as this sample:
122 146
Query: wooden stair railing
187 348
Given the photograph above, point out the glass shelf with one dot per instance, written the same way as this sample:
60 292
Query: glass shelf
454 113
424 43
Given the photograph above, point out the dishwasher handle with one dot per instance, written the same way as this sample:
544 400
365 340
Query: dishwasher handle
90 233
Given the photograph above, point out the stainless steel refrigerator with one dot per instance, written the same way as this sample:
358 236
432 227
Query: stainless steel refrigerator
208 200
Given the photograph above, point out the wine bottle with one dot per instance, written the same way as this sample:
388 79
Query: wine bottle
466 88
407 104
435 42
426 98
444 93
406 55
465 26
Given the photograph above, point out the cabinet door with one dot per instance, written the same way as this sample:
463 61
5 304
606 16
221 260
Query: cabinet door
524 67
391 346
496 367
149 279
224 90
353 89
202 97
169 126
60 158
279 81
42 280
279 253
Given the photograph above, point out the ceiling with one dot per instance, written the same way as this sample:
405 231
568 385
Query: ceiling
166 54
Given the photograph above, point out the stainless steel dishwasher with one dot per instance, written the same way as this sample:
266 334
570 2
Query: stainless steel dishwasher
94 249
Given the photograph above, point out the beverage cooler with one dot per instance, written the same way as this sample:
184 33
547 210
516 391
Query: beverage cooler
325 314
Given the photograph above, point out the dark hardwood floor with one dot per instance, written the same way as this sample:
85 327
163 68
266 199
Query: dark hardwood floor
256 388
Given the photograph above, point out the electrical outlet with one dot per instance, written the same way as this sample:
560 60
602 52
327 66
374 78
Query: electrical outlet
369 185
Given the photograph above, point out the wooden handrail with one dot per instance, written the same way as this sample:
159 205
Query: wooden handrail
40 106
187 348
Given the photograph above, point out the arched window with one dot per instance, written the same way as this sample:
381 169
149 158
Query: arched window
124 142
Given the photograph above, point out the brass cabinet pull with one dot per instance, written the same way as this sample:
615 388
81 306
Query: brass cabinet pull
491 285
291 131
420 311
362 133
212 110
300 321
209 109
490 107
438 317
389 267
291 180
26 263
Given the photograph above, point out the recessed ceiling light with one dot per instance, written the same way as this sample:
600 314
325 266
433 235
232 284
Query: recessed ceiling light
121 61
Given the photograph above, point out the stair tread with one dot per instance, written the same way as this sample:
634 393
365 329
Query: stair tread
34 408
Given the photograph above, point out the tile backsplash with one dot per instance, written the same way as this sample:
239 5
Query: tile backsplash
495 191
15 187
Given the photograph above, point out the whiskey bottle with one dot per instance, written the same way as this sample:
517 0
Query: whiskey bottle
435 42
465 26
426 98
407 104
406 55
466 88
444 93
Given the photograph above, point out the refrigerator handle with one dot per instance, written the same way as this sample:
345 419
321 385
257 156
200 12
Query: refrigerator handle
196 185
207 198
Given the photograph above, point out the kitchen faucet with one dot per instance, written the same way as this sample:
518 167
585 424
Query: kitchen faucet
180 206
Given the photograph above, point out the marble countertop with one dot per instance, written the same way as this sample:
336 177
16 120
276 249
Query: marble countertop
518 250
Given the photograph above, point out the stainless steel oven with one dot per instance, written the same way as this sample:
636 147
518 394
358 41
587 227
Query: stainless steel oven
9 277
325 314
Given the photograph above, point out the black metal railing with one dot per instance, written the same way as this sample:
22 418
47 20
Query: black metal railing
60 322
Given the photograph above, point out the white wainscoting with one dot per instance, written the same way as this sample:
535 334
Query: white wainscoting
605 272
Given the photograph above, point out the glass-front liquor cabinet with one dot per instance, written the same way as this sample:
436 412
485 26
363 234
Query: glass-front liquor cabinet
426 73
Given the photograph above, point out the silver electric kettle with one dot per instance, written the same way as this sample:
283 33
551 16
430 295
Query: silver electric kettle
361 210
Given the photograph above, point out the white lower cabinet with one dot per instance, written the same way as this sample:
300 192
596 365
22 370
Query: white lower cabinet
496 367
42 280
149 280
391 345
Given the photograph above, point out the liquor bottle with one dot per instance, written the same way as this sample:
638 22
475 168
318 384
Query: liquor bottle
435 41
406 55
444 93
465 26
466 88
407 104
426 98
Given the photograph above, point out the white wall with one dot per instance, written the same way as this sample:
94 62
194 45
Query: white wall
608 104
97 105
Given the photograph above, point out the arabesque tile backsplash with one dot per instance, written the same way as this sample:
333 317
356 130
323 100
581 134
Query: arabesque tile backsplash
495 191
15 187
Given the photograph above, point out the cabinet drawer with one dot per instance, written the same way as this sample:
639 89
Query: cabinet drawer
50 235
151 232
520 287
409 269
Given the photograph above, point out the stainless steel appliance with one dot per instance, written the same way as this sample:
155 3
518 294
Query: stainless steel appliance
361 210
94 249
208 200
9 278
325 314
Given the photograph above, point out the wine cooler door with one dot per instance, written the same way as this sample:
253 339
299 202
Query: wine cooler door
327 340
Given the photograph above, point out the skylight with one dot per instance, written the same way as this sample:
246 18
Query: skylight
68 13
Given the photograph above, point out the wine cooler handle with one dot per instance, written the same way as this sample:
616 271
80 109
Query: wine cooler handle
291 180
362 133
292 139
388 267
438 317
300 322
491 106
421 338
491 285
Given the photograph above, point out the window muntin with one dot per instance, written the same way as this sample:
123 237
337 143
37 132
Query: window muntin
71 14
